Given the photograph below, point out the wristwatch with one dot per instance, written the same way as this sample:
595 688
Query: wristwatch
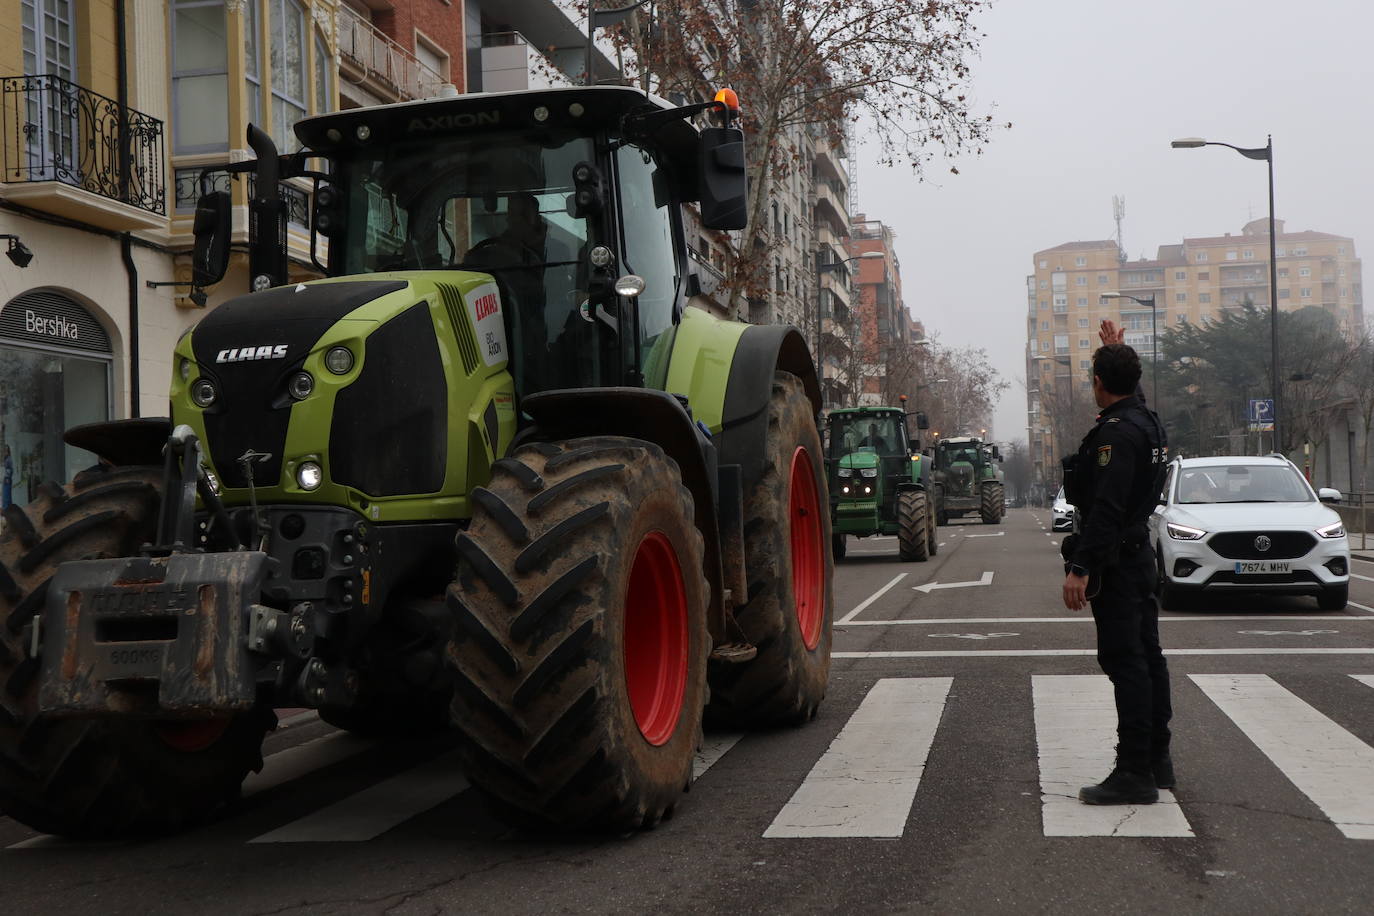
1077 569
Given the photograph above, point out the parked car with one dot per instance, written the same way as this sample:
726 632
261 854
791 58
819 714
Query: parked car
1248 524
1062 513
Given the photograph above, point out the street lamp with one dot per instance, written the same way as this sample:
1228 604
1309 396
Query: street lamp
1266 153
823 268
1154 340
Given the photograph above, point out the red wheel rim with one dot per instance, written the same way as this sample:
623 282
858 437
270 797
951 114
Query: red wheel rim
656 638
808 549
192 735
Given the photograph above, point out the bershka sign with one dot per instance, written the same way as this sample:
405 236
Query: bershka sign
51 326
50 318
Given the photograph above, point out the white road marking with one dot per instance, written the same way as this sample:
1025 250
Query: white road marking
1365 578
1049 653
870 599
1285 632
942 543
1075 731
932 586
368 814
969 635
713 747
865 783
1203 618
300 718
1363 607
1364 678
295 762
1327 763
997 535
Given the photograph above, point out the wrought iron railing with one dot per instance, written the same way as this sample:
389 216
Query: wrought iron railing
377 54
55 130
189 189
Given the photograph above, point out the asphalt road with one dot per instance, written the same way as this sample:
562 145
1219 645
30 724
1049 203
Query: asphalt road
938 777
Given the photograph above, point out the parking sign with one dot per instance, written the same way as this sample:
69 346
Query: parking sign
1262 414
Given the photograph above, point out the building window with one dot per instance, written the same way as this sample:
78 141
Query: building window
1283 293
287 30
1180 275
1061 344
1280 252
1083 322
1247 254
1304 271
1180 297
1044 325
1084 343
1204 297
1340 249
1080 261
252 71
1182 318
1204 275
1101 279
200 76
1044 264
1044 305
1344 292
1306 292
1200 257
1044 284
1230 255
1300 252
1283 271
1080 281
1082 301
1059 281
1085 364
324 73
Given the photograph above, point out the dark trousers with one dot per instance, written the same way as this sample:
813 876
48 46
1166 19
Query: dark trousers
1128 650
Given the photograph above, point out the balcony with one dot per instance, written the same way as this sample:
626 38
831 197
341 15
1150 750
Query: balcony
371 58
832 207
510 64
75 153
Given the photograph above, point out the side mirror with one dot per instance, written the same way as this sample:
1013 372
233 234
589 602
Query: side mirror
922 421
1329 495
723 183
212 228
996 453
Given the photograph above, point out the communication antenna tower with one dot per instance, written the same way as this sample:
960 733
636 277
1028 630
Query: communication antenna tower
1119 214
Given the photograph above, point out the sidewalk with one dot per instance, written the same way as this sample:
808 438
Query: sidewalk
1363 554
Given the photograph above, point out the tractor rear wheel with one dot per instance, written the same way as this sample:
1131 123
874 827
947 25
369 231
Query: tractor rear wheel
838 545
580 641
92 778
790 606
913 519
932 536
991 506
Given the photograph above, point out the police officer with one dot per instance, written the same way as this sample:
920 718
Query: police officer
1114 482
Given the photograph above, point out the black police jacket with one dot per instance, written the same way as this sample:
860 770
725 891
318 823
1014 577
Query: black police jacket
1115 481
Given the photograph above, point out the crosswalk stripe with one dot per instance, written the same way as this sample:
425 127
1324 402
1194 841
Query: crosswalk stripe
713 747
295 762
1364 678
1327 763
1075 731
368 814
865 783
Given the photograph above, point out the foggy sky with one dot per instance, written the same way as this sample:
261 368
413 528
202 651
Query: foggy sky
1095 90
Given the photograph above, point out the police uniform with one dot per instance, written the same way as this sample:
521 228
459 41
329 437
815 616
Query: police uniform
1115 483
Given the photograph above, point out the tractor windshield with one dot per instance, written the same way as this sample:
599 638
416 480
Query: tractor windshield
493 201
876 433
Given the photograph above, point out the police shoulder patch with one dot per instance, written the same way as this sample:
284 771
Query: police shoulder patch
1104 455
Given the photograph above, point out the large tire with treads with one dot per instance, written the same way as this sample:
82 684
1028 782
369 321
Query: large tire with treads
932 536
913 520
787 558
92 778
838 545
990 506
580 646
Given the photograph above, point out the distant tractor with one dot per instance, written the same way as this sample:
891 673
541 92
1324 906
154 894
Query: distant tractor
879 481
966 468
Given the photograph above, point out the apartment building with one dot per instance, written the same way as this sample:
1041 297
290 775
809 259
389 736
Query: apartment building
1193 281
882 324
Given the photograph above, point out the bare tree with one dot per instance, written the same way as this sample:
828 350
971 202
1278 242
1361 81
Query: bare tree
1360 385
964 389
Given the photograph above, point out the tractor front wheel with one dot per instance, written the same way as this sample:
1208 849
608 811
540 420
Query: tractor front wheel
790 606
838 545
991 506
104 777
913 519
579 654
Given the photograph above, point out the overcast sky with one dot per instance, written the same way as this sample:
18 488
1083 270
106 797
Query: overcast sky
1095 90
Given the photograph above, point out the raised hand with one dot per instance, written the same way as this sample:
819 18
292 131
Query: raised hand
1110 334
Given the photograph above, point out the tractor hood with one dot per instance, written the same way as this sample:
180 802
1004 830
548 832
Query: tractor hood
864 458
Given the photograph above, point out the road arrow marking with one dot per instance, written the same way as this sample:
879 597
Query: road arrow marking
932 586
969 635
1285 632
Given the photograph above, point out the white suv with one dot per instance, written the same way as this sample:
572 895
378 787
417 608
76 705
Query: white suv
1248 524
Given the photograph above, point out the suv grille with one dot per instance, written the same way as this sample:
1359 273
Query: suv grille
1284 545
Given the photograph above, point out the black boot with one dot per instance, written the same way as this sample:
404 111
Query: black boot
1121 787
1163 769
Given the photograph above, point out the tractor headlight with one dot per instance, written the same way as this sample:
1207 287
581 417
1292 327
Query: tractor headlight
339 360
309 475
300 385
185 369
846 472
868 490
203 392
868 472
844 489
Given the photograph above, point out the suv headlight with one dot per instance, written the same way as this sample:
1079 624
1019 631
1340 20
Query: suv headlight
868 472
1184 533
846 472
1332 531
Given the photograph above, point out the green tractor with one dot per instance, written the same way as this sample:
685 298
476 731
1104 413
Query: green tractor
966 468
490 475
879 481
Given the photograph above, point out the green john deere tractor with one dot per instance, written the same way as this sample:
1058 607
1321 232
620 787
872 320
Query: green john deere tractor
966 468
879 481
490 474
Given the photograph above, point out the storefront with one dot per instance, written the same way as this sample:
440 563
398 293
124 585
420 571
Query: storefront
55 373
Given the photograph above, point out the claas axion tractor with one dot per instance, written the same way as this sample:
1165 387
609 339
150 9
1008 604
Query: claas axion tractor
489 474
966 468
880 483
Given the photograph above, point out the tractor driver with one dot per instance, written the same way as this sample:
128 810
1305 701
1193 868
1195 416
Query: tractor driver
874 441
